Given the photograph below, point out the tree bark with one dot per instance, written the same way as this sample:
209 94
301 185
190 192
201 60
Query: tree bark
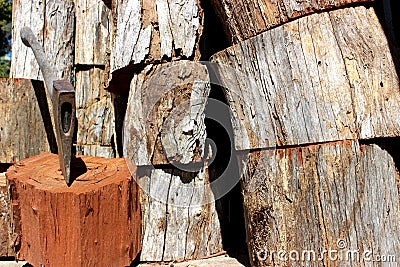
95 114
23 109
247 18
164 121
150 31
53 22
323 77
340 196
95 221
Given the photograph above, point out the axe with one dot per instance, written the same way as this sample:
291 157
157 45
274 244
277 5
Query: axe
62 96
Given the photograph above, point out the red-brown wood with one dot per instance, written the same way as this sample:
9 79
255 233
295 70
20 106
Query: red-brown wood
94 222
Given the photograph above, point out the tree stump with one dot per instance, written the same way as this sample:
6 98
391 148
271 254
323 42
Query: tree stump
94 222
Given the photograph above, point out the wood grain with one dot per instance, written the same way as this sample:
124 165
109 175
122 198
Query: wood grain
53 22
6 235
164 121
308 198
95 221
94 26
150 31
323 77
24 122
247 18
179 217
95 114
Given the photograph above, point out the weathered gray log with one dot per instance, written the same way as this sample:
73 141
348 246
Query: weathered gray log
323 77
24 120
150 31
94 23
164 124
223 260
164 121
247 18
178 214
338 196
6 235
95 114
53 22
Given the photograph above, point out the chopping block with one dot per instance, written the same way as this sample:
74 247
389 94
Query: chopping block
94 222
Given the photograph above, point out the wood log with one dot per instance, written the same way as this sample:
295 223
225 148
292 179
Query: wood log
164 121
150 31
339 196
95 114
247 18
25 127
179 217
223 260
94 21
323 77
6 235
164 125
95 221
53 22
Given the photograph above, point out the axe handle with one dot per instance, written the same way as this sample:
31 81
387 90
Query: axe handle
30 40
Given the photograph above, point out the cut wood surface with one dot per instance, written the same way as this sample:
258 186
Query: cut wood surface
95 114
338 196
164 121
94 21
24 119
247 18
224 261
178 213
6 235
95 221
323 77
53 22
149 31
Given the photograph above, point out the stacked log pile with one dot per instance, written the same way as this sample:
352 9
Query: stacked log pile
119 47
97 220
95 113
164 124
311 85
317 87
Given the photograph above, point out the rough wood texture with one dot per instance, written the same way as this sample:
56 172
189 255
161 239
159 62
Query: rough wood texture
164 121
95 221
93 20
164 124
247 18
149 31
324 77
224 261
53 21
179 217
23 124
5 220
95 114
308 198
